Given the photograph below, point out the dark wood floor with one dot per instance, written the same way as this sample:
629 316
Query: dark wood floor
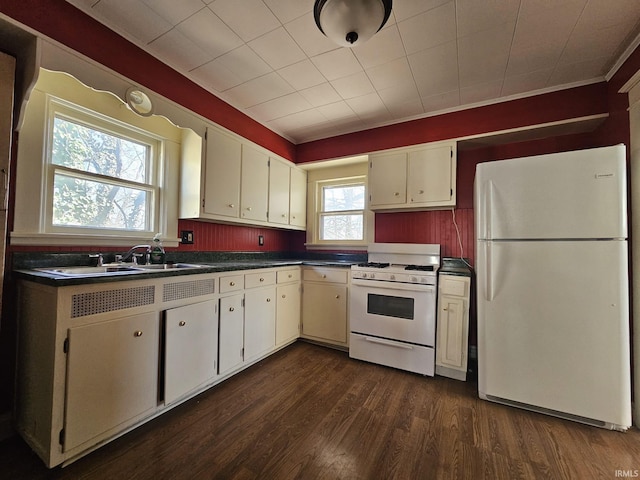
309 412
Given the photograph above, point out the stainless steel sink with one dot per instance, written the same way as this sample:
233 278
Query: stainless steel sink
114 269
88 271
167 266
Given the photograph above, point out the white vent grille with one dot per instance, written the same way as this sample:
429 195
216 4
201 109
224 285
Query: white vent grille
91 303
194 288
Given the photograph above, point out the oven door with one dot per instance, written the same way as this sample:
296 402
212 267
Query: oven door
396 311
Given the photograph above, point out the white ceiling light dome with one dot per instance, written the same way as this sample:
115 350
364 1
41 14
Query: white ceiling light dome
350 23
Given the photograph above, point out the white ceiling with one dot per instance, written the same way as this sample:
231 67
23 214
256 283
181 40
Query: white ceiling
268 59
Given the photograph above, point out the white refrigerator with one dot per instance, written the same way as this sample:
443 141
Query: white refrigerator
552 285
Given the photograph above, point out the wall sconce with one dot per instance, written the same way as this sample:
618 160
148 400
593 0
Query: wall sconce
350 23
139 102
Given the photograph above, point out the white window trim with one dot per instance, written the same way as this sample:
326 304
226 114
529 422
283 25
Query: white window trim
335 177
34 177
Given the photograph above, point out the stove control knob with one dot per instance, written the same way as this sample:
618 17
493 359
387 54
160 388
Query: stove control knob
364 275
373 275
392 277
414 279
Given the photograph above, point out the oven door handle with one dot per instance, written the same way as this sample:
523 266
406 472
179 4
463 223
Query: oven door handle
416 287
390 343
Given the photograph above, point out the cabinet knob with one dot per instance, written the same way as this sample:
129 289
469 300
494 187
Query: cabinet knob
232 284
182 323
248 209
324 276
444 309
231 205
397 194
137 333
421 192
293 216
284 296
231 309
268 299
290 275
262 279
284 215
337 296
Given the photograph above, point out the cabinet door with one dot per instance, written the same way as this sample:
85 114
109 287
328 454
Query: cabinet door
298 198
388 179
191 348
430 174
231 333
324 312
287 313
254 184
222 175
259 322
112 376
451 347
279 184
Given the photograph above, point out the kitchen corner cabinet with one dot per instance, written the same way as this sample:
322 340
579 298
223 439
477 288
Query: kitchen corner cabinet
452 337
416 178
324 305
240 182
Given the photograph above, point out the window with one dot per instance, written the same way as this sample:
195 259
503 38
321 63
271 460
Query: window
103 174
92 172
336 205
342 212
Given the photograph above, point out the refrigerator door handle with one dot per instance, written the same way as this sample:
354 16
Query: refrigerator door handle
488 209
488 272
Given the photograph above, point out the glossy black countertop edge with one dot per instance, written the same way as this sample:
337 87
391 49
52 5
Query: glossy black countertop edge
212 262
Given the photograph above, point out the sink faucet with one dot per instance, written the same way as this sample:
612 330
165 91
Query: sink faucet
130 253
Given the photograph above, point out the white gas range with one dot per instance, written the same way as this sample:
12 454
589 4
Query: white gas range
393 306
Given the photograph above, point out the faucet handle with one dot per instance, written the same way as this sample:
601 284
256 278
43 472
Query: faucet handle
118 258
99 257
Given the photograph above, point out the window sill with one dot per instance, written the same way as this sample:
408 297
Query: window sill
65 239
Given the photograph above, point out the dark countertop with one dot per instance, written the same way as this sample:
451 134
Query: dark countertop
455 266
208 263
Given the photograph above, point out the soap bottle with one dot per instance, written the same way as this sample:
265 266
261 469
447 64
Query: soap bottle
157 251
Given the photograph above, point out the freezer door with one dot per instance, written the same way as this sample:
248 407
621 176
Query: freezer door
566 195
553 326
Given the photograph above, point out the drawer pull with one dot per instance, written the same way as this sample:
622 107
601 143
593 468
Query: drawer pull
284 296
290 275
337 296
324 275
262 279
232 284
231 309
182 323
268 299
231 205
137 333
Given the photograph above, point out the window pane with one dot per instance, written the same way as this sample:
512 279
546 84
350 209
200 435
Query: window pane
342 227
347 197
85 203
83 148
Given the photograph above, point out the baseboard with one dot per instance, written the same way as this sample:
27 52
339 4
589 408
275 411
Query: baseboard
6 426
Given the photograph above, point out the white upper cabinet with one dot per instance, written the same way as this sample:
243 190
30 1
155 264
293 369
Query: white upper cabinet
236 181
416 178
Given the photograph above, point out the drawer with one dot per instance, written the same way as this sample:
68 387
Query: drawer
231 283
286 276
329 275
253 280
454 285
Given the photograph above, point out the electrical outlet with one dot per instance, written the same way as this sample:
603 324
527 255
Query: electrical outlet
187 236
261 240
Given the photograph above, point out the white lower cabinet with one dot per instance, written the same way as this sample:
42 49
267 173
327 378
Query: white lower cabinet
324 305
191 348
259 322
112 376
231 333
452 338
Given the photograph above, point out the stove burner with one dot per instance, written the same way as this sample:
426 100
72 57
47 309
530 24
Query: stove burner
422 268
374 265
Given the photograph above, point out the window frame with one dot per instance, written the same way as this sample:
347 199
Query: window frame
323 213
58 108
336 175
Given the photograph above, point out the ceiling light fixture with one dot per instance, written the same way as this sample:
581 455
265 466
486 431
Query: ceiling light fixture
350 23
139 102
